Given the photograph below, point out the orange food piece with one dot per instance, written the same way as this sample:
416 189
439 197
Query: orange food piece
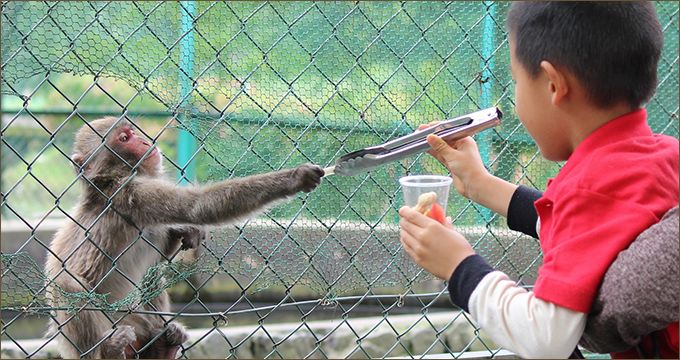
436 212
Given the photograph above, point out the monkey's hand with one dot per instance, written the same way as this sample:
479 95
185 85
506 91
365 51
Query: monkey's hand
190 236
306 177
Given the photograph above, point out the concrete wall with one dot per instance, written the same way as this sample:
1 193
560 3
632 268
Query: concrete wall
393 336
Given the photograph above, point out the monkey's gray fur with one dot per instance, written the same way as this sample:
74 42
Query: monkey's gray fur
129 218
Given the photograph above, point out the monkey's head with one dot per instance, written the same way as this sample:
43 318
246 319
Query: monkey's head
111 146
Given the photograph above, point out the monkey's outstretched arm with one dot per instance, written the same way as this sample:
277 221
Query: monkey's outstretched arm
157 201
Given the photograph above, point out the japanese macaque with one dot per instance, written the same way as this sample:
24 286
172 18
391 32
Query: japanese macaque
128 219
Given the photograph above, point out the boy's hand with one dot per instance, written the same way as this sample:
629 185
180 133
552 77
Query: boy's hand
435 247
470 177
463 161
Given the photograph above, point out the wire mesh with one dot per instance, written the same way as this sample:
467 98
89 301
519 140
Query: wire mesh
229 89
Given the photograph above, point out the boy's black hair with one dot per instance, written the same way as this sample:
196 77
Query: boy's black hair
613 48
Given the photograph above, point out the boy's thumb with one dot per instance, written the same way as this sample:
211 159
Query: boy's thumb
437 143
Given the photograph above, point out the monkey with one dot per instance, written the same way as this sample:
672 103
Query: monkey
129 218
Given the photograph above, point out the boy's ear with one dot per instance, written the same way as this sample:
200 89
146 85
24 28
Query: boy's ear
557 82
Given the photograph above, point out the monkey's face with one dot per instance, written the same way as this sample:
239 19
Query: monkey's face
129 145
123 150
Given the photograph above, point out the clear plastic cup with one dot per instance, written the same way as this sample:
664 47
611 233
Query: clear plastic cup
415 185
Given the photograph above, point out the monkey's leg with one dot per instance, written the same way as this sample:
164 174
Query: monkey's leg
82 332
89 335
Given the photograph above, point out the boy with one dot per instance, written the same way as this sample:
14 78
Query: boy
579 93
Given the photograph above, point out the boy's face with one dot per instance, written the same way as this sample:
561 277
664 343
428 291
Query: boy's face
535 110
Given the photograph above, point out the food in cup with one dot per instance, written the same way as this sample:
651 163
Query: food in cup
428 206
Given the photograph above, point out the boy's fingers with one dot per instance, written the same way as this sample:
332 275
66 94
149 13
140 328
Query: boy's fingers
413 217
425 126
408 228
405 240
465 143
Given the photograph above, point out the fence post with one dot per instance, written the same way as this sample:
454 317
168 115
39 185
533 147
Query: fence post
486 67
186 142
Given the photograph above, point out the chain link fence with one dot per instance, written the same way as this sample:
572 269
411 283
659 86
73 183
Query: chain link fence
239 88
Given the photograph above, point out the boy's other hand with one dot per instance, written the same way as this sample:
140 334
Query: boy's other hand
435 247
462 159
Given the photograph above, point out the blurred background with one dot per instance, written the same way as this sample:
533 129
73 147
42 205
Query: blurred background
239 88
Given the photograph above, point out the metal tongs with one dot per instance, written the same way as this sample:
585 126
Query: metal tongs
372 157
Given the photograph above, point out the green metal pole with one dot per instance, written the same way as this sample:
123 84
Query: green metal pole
186 142
486 65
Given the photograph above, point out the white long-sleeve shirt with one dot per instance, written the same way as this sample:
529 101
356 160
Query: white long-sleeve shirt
518 321
512 316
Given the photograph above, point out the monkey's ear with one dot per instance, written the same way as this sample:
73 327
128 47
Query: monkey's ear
78 161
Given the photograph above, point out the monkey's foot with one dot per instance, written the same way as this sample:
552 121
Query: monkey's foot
168 344
175 334
118 346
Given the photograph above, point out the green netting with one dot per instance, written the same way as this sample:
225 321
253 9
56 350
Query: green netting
260 86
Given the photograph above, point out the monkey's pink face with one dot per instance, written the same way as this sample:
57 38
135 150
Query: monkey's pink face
127 142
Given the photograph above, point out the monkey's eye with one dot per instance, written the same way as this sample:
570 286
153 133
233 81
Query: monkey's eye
123 137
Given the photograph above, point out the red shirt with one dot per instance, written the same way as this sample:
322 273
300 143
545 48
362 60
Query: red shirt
666 343
618 182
